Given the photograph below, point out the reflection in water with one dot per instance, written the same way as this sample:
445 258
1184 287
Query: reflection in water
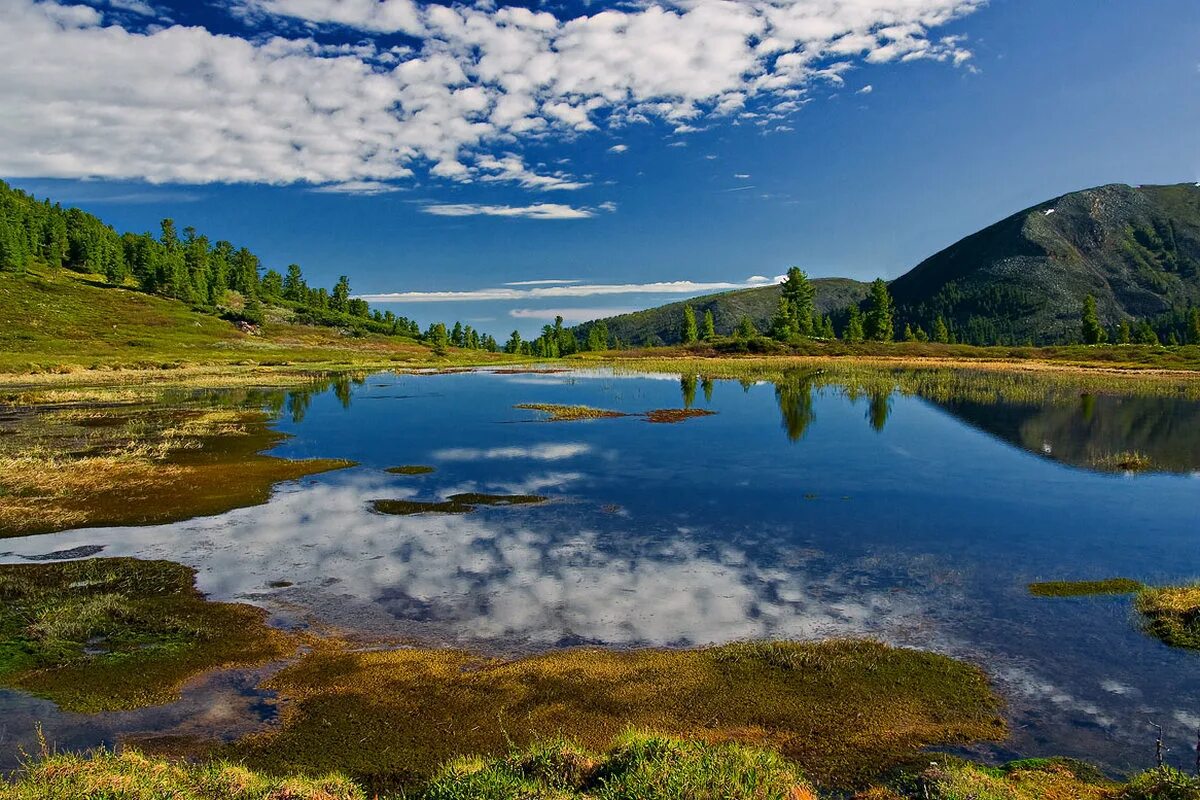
879 409
687 383
794 394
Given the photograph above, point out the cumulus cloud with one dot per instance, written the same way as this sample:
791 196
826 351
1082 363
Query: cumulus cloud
572 290
169 103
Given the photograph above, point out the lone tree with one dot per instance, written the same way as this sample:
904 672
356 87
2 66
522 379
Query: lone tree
688 333
710 327
1093 332
880 325
799 295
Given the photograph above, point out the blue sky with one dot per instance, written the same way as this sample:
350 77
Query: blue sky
434 149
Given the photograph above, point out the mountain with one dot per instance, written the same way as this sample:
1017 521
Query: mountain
1135 249
661 325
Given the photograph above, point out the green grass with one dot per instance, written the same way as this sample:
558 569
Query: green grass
845 711
463 503
1082 588
117 633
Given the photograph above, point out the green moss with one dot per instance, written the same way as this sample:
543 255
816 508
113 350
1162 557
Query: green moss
463 503
561 413
844 710
117 633
410 469
1172 614
1082 588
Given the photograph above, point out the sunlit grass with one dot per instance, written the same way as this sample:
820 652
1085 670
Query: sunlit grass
1083 588
1172 613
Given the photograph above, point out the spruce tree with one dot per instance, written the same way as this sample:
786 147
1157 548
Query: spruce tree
880 326
746 329
941 333
854 325
688 332
1194 326
783 323
1124 332
1093 332
710 327
799 296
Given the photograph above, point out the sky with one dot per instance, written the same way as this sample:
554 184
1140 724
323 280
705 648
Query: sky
503 163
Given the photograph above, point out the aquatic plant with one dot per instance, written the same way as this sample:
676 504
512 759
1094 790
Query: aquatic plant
117 633
1132 461
463 503
1172 613
672 415
844 710
563 413
1082 588
409 469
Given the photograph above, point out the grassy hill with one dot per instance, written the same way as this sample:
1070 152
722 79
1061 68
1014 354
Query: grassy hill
661 325
1135 249
55 319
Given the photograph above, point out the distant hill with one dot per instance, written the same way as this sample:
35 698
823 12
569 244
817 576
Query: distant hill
661 325
1023 279
1137 250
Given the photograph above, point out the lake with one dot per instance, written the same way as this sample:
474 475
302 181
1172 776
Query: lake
805 507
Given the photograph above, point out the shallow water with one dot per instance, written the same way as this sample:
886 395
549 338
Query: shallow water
794 512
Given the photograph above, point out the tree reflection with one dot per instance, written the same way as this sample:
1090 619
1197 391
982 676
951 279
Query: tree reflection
687 383
879 409
793 392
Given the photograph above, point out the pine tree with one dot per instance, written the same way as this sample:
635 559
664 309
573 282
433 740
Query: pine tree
339 299
1124 332
710 327
1093 332
854 326
1194 326
909 336
799 295
880 326
688 332
746 329
514 343
941 333
783 321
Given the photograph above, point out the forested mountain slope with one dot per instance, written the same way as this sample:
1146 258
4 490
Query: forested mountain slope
662 325
1136 250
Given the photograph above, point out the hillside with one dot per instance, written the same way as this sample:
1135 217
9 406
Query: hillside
51 319
1137 250
661 325
1021 280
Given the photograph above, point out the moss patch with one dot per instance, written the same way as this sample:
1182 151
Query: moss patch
463 503
1082 588
1172 614
410 469
845 710
671 415
561 413
117 633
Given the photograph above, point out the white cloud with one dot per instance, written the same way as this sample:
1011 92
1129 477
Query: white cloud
544 282
539 452
741 175
618 148
573 290
568 314
866 89
357 187
535 211
170 103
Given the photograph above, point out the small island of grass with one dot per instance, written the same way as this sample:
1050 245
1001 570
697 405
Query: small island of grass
565 413
673 415
1172 614
463 503
410 469
1085 588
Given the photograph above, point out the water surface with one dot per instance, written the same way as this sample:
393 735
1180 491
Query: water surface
801 509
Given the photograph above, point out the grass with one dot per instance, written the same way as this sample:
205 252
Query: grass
463 503
130 775
672 415
843 710
1043 779
59 321
1082 588
561 413
136 463
410 469
1124 462
118 633
1172 614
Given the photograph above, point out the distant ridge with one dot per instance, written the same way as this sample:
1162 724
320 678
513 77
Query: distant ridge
1023 279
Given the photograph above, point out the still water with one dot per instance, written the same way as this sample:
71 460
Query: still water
801 509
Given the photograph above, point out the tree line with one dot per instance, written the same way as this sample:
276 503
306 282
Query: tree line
214 277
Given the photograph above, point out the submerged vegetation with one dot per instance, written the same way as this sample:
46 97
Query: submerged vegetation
1132 461
844 710
671 415
562 413
1083 588
118 633
410 469
134 463
463 503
